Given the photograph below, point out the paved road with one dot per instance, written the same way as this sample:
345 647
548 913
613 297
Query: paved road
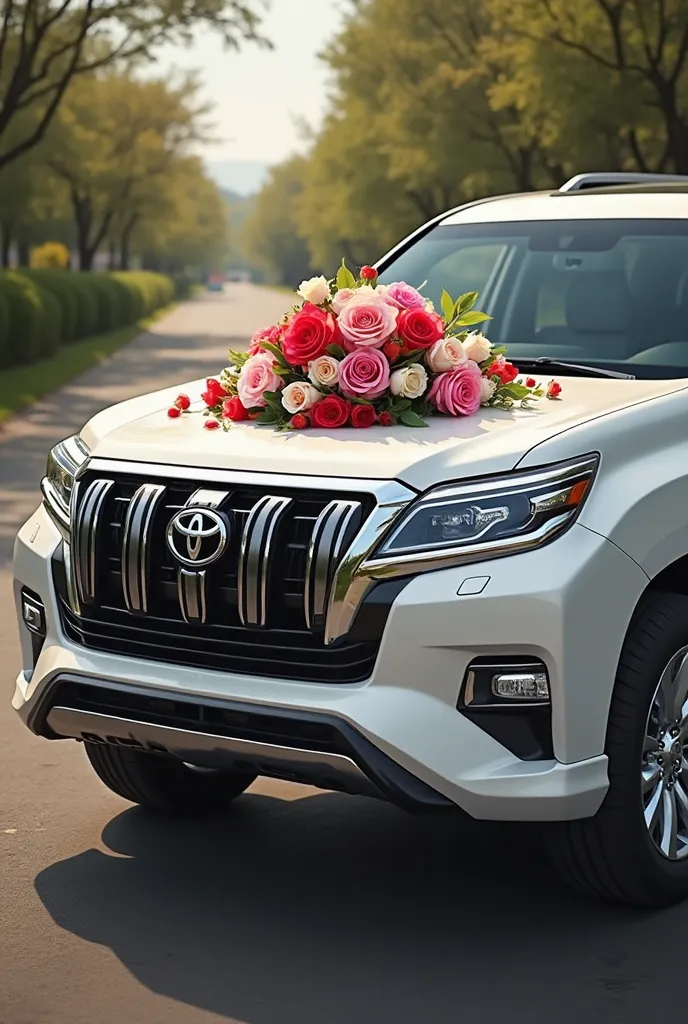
298 907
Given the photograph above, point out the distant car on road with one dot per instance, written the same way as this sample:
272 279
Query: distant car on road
216 283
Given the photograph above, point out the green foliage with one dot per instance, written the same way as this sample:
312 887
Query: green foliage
43 309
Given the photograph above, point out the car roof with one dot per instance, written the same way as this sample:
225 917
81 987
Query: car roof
656 202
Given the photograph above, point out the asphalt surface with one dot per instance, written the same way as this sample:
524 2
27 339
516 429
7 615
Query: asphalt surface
297 907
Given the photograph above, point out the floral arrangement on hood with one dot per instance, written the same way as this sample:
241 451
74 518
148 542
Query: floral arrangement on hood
359 353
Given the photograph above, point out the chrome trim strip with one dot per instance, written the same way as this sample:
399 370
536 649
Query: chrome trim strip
188 745
54 506
134 559
349 587
191 593
255 558
85 535
238 478
324 552
72 595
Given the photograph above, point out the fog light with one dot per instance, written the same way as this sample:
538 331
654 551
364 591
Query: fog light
33 614
530 686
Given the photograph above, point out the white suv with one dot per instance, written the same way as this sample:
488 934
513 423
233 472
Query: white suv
202 608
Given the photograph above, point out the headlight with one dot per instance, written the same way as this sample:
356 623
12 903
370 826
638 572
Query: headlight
63 462
484 519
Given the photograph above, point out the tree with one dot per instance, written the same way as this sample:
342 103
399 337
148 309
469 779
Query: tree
631 57
271 236
45 44
183 226
111 144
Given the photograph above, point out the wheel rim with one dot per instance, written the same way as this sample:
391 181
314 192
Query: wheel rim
664 773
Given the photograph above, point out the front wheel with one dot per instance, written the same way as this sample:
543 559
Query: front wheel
635 849
162 783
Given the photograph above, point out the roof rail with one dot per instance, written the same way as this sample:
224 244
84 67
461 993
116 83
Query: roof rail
608 179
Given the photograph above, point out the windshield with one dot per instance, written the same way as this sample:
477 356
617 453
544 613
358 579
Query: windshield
604 292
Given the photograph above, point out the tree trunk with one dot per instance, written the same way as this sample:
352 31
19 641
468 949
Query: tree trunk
5 246
112 255
125 243
23 253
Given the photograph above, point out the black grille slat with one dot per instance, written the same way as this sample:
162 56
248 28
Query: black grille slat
286 648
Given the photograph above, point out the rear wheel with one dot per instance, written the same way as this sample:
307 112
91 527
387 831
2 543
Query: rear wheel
635 849
162 783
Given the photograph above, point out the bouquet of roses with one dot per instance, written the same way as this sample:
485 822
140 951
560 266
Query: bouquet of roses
356 353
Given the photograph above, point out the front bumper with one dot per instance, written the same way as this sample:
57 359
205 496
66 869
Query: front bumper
568 605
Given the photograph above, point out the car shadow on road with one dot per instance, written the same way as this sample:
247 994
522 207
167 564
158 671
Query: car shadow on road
332 909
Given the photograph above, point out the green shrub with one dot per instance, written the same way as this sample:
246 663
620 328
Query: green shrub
62 284
86 304
151 291
51 331
134 304
26 318
108 294
4 330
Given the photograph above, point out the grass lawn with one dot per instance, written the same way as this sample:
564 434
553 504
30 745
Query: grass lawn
22 385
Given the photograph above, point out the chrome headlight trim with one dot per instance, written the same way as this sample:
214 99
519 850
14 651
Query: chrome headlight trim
65 461
557 481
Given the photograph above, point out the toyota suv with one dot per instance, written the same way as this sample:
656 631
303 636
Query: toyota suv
534 673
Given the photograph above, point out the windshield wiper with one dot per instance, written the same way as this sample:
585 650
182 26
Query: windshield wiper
579 369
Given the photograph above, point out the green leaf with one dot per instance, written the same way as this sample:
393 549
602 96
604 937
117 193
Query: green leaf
514 390
345 279
273 399
399 405
474 317
466 302
267 416
412 419
336 351
269 347
447 304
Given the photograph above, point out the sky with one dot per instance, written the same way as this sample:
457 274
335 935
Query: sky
259 95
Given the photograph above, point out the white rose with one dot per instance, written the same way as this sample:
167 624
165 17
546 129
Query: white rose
324 370
477 347
487 390
446 354
299 397
409 382
429 306
315 290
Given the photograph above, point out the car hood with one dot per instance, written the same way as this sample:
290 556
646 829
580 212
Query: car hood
492 441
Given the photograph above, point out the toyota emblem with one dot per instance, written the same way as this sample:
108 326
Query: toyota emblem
197 536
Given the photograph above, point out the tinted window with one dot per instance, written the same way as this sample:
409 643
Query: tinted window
611 292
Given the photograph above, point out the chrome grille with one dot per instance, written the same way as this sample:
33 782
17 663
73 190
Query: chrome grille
258 607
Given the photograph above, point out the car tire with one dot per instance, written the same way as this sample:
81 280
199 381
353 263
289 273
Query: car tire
164 784
616 855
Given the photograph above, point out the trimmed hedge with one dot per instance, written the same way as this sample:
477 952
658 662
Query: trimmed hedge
42 309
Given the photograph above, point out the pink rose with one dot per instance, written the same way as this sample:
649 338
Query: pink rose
271 334
365 323
459 392
364 373
257 376
403 296
341 298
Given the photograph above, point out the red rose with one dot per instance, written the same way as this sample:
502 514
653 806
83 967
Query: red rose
368 273
391 350
173 412
299 421
386 419
332 411
214 393
553 389
233 409
502 369
362 416
309 333
182 402
419 329
530 382
211 424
